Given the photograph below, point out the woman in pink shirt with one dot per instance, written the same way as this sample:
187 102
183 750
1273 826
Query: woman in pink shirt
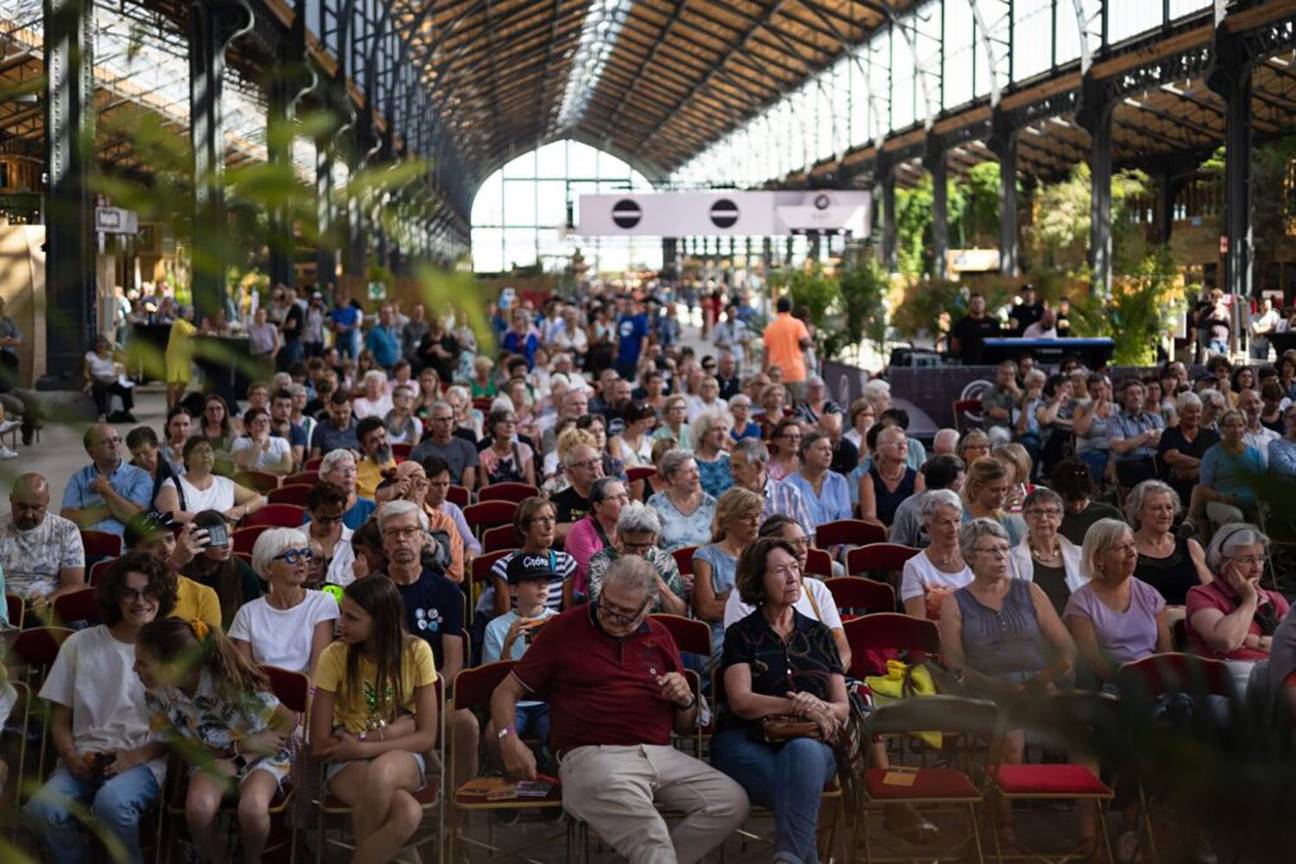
595 531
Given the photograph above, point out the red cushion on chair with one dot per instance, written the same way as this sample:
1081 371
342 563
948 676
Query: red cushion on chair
931 783
1048 780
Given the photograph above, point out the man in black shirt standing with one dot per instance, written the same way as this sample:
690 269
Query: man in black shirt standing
293 323
1027 312
967 338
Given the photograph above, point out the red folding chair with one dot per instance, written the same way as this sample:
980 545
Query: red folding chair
479 578
276 516
684 559
402 451
848 532
818 563
99 570
690 634
967 414
459 495
314 464
643 472
294 494
501 537
262 481
878 558
245 538
489 514
1173 672
101 544
78 606
15 610
856 596
308 477
515 492
875 638
34 650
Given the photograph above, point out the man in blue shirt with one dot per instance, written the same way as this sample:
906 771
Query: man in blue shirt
105 494
346 319
384 339
632 338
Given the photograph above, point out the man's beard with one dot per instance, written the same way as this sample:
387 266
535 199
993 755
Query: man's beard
383 455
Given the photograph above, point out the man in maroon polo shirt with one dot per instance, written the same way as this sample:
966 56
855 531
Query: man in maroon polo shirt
613 680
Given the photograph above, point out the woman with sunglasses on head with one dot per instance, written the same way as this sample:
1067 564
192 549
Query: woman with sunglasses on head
374 718
217 710
290 625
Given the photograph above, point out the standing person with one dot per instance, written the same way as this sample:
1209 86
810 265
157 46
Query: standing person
346 318
967 336
412 333
104 495
178 359
610 720
439 349
291 328
1026 312
1263 323
313 325
103 380
216 708
374 718
264 342
383 339
109 763
632 339
786 339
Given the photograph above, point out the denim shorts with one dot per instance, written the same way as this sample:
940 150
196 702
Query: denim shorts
332 769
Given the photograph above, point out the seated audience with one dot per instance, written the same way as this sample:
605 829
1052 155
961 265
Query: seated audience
1168 562
1092 426
1114 618
290 625
109 764
1232 618
1282 451
506 460
610 720
777 661
973 445
824 491
258 449
737 519
142 444
1019 465
1072 480
1229 471
374 400
740 407
535 523
376 459
1182 446
637 532
710 440
402 426
674 425
200 489
939 569
339 467
593 532
984 493
888 480
41 555
151 536
1134 435
785 448
581 466
686 511
216 708
1256 434
105 494
1047 558
373 719
749 466
325 504
439 508
460 455
336 431
942 471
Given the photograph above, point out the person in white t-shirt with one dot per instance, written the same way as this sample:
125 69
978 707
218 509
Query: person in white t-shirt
290 626
938 569
258 450
108 760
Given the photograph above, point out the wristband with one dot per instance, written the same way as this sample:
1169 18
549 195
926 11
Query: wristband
693 701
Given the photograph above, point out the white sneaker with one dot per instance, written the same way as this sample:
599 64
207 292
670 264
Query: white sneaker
6 425
6 453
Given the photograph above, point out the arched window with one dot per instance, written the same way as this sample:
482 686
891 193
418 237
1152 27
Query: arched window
520 215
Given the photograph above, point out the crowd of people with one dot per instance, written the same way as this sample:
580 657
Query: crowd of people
667 479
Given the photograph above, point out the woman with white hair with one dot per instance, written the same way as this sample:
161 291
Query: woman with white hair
1169 563
939 570
374 401
1047 558
816 402
339 466
710 432
1232 618
290 625
685 509
1115 618
706 400
743 425
1182 446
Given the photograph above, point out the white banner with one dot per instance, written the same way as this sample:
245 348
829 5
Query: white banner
692 214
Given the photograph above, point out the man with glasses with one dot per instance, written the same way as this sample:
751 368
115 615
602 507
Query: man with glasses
460 455
748 464
433 604
614 682
41 554
583 466
104 495
410 483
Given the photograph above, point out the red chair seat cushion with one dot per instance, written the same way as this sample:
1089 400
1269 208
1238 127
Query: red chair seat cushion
1048 780
929 783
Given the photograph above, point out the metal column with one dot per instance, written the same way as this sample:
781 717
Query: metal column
885 177
1230 77
279 152
1167 187
670 258
1003 142
213 25
70 300
1095 116
935 162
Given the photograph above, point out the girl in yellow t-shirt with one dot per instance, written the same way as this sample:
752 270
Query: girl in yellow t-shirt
375 716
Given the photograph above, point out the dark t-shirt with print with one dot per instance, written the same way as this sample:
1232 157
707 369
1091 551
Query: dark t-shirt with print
433 607
570 505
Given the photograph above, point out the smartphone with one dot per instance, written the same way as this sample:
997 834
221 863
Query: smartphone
218 535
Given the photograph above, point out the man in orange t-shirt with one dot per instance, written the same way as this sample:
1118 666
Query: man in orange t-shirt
785 338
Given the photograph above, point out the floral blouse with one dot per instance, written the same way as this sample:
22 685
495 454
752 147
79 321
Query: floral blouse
679 529
208 720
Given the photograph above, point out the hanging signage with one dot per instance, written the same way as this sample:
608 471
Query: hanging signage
116 220
725 212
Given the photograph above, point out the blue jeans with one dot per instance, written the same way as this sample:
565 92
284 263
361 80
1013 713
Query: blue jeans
787 778
1097 462
532 721
115 806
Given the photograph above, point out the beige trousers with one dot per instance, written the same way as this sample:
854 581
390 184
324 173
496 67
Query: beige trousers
614 790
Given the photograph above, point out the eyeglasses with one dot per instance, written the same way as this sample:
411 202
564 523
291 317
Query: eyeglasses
293 556
542 520
1251 560
405 532
995 551
625 617
326 520
1051 512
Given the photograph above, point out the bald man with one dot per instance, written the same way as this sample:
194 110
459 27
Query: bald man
41 553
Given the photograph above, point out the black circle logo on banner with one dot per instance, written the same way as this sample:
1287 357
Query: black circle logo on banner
626 213
724 213
822 202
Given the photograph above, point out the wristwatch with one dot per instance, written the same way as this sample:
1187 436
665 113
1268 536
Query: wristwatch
504 733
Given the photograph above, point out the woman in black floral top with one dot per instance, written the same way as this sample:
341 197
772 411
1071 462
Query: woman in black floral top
777 661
